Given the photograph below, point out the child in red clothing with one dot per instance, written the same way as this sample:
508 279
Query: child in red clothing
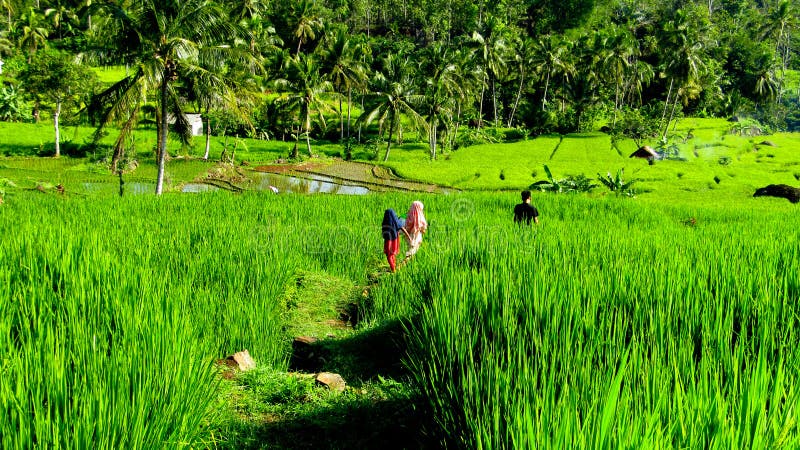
391 227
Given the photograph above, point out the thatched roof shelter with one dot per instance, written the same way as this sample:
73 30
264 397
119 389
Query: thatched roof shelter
645 152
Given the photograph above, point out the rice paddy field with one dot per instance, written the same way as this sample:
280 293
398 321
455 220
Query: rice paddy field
614 324
666 320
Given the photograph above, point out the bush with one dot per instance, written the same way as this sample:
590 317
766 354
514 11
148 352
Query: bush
514 134
617 185
571 183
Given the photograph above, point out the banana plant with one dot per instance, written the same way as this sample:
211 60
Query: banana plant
617 185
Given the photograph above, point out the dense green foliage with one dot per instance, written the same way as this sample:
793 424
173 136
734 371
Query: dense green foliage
538 66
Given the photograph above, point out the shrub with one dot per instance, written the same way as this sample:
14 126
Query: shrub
571 183
617 185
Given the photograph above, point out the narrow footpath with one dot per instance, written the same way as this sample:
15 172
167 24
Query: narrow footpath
377 407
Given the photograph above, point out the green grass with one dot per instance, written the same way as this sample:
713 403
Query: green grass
513 166
667 320
110 75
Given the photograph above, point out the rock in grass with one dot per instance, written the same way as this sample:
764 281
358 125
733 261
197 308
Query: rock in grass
333 381
767 143
302 341
779 190
241 360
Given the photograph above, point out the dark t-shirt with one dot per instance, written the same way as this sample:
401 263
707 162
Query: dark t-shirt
525 212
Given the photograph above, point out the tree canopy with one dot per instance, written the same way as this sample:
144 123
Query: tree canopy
537 65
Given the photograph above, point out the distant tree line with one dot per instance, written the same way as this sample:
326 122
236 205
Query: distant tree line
456 71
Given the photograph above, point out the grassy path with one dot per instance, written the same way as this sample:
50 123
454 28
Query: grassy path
378 408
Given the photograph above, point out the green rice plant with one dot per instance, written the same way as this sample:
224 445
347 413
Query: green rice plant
610 325
115 310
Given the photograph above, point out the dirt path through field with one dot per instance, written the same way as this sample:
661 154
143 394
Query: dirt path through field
378 408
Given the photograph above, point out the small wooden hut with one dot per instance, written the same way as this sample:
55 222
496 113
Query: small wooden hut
645 152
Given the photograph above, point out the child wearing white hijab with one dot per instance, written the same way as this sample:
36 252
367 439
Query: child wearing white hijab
415 227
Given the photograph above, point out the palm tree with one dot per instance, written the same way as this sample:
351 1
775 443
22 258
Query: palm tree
33 34
309 22
215 88
163 41
394 95
343 70
524 54
779 23
618 50
582 88
440 89
8 5
468 75
59 13
302 90
767 85
493 56
551 61
683 46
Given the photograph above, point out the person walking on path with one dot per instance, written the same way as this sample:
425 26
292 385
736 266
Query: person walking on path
390 228
525 212
415 227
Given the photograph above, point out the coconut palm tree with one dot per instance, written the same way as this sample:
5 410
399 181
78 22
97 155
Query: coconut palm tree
493 53
618 50
767 84
342 69
779 23
163 41
683 46
216 88
309 22
8 5
440 89
552 61
303 89
60 14
524 54
33 35
394 95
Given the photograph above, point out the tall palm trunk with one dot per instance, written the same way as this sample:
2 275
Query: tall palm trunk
432 137
349 108
494 101
208 135
516 100
389 139
616 101
480 111
784 60
308 130
55 125
341 121
671 115
666 104
359 122
456 126
162 141
546 84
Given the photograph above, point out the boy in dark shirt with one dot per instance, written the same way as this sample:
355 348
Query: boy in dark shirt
524 212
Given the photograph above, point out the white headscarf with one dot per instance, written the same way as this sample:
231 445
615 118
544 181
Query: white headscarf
415 219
